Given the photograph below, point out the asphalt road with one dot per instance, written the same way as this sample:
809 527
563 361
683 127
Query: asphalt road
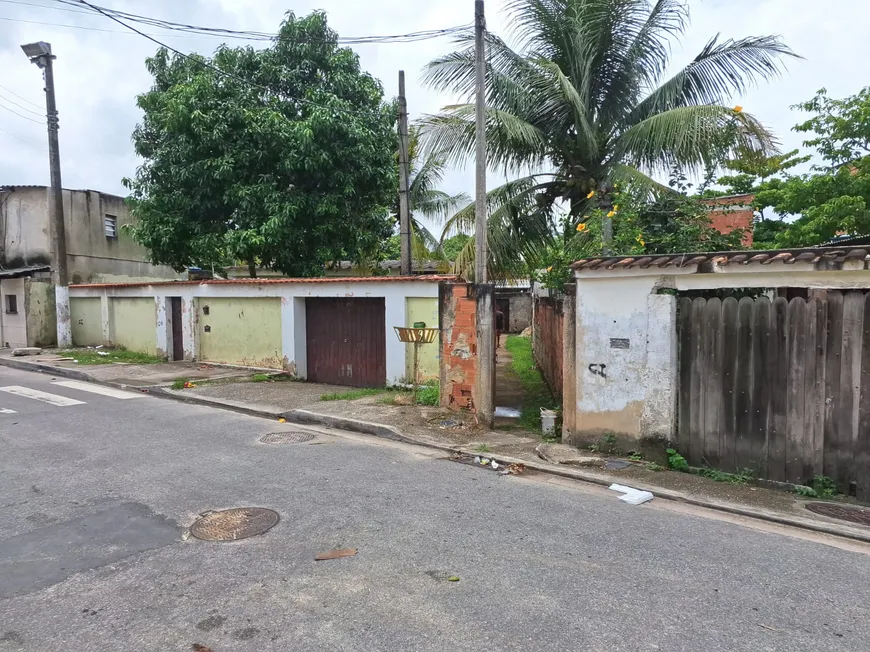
95 497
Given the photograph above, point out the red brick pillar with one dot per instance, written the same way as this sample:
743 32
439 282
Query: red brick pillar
458 345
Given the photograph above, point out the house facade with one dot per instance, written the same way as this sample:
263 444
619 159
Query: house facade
329 330
99 249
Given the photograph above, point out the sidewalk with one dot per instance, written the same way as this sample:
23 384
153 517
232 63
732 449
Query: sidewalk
454 433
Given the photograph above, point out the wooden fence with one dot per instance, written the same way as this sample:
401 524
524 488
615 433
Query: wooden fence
780 387
547 342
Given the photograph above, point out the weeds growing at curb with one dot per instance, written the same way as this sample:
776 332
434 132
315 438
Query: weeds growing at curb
352 395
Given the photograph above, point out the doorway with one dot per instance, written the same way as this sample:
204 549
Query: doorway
175 322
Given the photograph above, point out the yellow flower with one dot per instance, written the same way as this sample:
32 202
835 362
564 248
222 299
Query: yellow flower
611 214
550 269
616 207
738 109
591 194
581 226
640 240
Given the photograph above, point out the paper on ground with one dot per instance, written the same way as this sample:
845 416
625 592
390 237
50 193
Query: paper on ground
631 495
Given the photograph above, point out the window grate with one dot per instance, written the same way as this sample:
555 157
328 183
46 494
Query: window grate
111 226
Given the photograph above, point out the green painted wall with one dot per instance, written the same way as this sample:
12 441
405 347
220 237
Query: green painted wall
134 324
425 310
242 331
87 327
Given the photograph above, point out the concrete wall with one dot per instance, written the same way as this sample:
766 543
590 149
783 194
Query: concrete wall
242 331
92 257
520 312
87 329
616 375
133 323
425 310
39 311
13 327
290 295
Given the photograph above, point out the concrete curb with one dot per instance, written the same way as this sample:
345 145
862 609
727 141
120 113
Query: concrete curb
306 417
24 365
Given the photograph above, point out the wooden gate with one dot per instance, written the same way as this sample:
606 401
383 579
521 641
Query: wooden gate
780 387
175 316
346 341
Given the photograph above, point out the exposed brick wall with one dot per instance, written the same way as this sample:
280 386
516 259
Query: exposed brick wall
734 212
458 346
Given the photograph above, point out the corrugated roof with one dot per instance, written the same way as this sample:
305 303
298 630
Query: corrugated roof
787 256
426 278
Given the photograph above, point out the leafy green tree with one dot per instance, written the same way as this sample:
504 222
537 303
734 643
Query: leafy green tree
834 197
454 245
281 157
585 98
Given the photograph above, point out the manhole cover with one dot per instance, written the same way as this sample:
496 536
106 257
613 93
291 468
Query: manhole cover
286 438
842 512
234 524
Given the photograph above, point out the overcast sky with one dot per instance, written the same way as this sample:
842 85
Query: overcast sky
99 73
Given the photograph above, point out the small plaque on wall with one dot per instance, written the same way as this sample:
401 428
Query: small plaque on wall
620 343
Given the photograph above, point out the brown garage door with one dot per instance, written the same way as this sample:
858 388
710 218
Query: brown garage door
346 341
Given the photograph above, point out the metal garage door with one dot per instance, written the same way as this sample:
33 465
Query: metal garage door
346 341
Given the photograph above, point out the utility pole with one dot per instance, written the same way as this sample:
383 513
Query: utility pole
404 174
40 54
484 291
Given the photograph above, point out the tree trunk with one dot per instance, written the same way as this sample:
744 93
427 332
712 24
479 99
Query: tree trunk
252 268
605 203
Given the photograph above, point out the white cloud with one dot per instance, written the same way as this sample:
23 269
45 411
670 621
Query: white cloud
99 73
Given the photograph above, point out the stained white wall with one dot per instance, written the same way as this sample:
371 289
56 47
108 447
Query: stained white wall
13 326
624 352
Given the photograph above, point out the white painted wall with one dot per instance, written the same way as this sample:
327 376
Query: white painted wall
13 327
613 383
292 294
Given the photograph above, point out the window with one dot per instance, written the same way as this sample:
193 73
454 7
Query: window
11 304
111 226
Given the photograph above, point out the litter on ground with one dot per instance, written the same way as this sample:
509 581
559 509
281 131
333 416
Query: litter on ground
336 554
631 495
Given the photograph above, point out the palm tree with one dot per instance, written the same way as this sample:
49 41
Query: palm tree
425 199
583 104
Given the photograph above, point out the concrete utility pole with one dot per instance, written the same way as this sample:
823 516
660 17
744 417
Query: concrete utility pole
40 54
404 181
484 292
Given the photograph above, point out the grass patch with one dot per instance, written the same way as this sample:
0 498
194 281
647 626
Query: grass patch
352 395
179 383
483 448
272 378
536 393
429 394
108 356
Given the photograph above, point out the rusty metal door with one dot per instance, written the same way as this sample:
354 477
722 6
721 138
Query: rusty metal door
177 337
346 341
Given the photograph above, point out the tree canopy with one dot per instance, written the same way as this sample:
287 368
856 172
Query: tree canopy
281 157
583 103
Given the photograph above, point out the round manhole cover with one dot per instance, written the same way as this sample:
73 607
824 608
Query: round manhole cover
234 524
287 437
842 512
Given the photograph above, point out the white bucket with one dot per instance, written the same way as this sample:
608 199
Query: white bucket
548 422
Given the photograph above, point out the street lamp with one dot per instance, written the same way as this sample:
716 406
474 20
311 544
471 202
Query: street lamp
40 54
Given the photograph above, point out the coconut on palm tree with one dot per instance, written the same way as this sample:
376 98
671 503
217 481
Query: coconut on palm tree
582 103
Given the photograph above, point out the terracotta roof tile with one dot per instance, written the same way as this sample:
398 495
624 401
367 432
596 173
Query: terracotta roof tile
788 256
424 278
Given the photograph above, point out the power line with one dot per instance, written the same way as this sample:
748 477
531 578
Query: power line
39 122
23 99
24 108
23 140
200 30
215 68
